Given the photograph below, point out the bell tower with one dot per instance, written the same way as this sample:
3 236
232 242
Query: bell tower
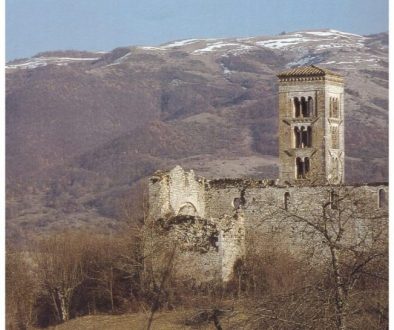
311 126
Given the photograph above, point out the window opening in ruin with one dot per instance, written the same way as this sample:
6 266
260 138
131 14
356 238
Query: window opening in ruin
187 209
287 200
382 199
296 107
237 203
334 200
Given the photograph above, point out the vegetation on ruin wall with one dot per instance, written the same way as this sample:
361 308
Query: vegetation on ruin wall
76 273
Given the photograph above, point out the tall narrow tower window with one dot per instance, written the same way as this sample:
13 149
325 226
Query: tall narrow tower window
304 107
304 140
297 137
299 168
309 130
297 107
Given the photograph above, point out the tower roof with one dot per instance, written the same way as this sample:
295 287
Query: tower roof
307 71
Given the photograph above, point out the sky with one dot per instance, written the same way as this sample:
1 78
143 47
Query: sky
34 26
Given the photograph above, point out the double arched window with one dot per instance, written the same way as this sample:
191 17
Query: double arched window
303 107
303 136
302 167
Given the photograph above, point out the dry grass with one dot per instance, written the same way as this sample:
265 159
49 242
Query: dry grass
162 321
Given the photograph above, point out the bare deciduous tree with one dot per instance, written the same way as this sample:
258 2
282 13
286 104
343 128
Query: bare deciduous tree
322 265
60 264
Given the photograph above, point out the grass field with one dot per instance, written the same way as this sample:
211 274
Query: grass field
162 321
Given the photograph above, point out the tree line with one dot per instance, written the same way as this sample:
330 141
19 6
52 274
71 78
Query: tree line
76 273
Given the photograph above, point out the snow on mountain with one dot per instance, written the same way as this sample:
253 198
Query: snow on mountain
36 62
307 47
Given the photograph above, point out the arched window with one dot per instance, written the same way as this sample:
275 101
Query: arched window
306 165
299 168
306 136
187 209
304 107
286 200
302 167
310 107
297 137
297 107
382 199
309 142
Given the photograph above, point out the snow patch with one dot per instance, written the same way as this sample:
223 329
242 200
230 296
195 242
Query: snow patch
281 43
225 69
44 61
150 48
214 46
180 43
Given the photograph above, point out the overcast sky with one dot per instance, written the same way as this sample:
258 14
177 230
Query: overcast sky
33 26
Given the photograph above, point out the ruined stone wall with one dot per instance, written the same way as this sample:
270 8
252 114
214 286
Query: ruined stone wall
208 241
176 192
211 237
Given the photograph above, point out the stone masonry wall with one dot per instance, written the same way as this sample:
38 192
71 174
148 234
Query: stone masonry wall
211 238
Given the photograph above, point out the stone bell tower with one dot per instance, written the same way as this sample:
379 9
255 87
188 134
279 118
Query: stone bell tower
311 126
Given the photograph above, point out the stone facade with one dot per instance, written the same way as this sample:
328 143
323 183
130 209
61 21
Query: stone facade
208 221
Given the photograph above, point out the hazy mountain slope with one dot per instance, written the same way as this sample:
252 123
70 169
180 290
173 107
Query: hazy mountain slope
83 127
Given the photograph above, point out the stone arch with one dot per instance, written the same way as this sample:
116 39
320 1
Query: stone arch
187 209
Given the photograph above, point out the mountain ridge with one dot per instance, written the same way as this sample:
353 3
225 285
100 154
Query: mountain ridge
83 127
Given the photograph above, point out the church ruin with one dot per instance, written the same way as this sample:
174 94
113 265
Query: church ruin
209 220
